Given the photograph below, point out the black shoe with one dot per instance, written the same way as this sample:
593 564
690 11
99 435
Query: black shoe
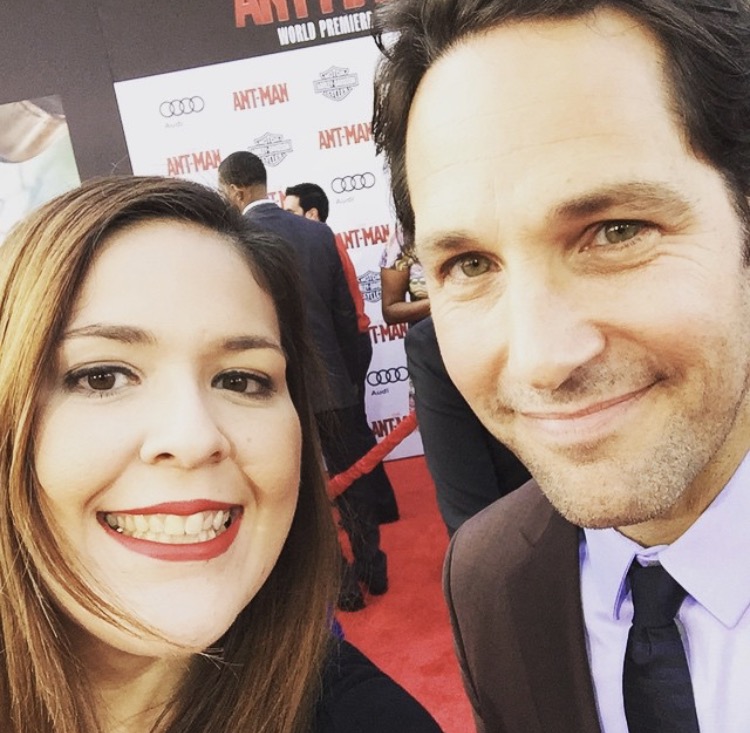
375 576
350 594
350 601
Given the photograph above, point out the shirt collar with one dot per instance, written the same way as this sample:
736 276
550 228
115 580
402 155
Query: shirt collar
710 560
258 202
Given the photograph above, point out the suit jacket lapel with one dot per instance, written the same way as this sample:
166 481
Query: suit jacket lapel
545 604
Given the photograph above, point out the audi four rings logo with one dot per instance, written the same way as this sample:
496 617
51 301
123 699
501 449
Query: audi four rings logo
359 182
387 376
179 107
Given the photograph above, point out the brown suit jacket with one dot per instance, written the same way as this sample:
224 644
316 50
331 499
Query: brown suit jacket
512 583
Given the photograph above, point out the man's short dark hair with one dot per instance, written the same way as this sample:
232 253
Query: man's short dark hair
311 196
243 169
706 47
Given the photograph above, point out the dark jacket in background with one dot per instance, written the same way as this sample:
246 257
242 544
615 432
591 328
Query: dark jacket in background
328 302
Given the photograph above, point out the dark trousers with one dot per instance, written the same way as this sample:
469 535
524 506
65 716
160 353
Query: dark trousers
469 467
386 506
344 442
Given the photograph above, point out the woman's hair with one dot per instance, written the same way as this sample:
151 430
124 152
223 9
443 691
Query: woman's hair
408 255
265 673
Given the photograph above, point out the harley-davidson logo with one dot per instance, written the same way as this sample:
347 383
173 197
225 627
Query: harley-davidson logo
335 83
271 148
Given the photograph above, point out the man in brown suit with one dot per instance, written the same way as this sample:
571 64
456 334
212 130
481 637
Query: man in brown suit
576 174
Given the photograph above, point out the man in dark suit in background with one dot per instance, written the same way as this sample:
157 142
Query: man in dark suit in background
333 323
311 201
577 174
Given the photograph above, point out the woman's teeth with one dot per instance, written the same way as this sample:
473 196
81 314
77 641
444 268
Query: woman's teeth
171 529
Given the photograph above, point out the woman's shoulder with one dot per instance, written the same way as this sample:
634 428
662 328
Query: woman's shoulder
360 698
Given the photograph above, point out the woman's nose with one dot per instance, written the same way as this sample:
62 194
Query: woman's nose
184 430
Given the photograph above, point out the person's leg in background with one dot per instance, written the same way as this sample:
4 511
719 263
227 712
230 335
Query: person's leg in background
469 467
342 446
386 506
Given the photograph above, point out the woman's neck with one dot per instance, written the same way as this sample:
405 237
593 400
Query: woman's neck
131 691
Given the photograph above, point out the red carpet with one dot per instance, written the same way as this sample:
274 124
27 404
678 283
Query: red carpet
406 631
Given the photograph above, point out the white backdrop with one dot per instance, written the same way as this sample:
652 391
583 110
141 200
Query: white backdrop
307 113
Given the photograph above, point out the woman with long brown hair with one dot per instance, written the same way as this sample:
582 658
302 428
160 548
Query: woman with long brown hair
167 554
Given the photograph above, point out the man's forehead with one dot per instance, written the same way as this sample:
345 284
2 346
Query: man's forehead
520 64
500 113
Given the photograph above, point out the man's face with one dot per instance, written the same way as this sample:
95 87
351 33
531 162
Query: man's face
584 267
291 203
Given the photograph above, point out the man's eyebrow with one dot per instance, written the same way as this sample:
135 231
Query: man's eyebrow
133 335
639 197
444 243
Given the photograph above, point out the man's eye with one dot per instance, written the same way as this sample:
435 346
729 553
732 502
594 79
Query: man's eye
619 232
468 266
244 383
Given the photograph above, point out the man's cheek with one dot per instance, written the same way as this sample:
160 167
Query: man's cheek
464 360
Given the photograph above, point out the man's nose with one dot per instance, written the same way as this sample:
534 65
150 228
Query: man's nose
183 429
550 332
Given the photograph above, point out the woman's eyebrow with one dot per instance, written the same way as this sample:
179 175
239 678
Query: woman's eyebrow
247 343
134 335
124 334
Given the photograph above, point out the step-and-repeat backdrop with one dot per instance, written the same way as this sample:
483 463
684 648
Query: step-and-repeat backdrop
306 112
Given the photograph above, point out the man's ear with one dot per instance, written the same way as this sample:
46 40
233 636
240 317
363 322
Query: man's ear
312 214
241 196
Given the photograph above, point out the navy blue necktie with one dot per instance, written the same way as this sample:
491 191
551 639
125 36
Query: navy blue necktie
656 683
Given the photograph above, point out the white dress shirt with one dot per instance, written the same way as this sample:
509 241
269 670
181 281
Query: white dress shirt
711 561
257 202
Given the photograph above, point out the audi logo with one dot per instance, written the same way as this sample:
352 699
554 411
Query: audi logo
387 376
359 182
179 107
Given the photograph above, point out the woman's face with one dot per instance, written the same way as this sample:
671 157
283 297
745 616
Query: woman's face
168 447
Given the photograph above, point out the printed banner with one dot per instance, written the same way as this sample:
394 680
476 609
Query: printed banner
146 37
306 113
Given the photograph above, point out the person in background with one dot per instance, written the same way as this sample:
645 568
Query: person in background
576 174
167 553
405 297
311 201
330 312
469 467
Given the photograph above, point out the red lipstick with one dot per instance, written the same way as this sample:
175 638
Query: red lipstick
182 552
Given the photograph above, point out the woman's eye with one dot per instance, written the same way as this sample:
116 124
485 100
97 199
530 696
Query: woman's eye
99 379
619 232
244 383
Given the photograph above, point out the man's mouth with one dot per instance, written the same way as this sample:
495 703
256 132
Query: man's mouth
172 529
585 411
